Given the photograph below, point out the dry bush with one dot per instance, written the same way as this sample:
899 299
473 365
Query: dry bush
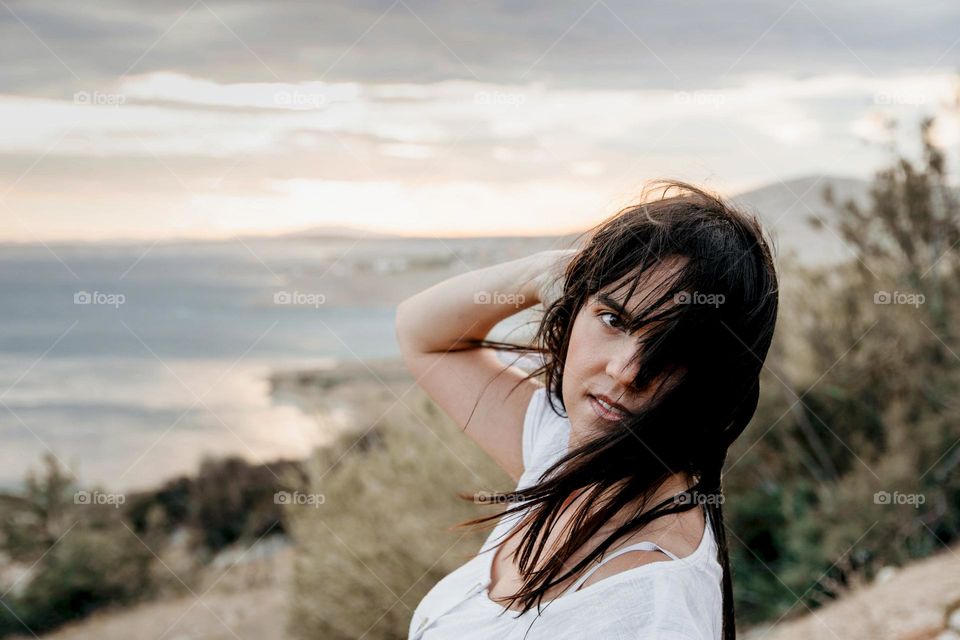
382 535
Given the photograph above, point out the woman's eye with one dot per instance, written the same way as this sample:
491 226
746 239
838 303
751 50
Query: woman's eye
615 319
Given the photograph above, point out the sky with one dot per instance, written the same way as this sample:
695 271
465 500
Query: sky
208 118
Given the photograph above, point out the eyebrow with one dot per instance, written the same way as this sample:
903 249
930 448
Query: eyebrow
616 306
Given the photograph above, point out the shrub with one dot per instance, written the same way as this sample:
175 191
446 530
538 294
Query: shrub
380 539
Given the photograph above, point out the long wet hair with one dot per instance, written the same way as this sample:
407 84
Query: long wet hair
707 330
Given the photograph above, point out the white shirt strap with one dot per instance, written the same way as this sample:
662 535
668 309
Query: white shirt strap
639 546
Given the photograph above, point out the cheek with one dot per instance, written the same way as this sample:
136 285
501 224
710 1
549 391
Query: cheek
574 346
580 350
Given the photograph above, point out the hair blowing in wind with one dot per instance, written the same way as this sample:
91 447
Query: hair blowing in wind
704 336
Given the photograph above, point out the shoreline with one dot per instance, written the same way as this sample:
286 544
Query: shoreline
329 399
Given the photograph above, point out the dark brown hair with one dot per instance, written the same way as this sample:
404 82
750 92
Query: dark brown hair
710 328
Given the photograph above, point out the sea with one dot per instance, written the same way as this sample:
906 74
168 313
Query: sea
129 363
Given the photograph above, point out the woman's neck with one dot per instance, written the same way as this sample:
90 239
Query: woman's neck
672 486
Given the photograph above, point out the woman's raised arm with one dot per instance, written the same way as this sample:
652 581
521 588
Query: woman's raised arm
472 385
467 306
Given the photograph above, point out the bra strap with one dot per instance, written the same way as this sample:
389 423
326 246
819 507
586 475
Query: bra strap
639 546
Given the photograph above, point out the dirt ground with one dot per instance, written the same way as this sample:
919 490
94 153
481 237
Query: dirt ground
913 604
248 600
245 600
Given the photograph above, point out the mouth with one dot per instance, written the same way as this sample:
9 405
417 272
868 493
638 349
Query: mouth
605 408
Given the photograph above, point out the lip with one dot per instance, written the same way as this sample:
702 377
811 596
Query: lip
603 412
610 401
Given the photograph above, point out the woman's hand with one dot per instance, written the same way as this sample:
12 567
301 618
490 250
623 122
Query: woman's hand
464 308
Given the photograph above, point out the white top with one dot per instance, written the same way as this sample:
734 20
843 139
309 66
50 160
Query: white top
676 600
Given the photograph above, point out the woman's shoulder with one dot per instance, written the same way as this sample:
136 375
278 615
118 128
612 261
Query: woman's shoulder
684 565
655 603
665 599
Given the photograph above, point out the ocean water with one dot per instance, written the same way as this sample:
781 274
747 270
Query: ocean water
130 363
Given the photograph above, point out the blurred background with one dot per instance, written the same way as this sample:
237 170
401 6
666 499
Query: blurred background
212 207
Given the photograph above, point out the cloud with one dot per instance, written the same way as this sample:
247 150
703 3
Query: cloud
174 114
569 43
225 112
874 126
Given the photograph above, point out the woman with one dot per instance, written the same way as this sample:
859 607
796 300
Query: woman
652 341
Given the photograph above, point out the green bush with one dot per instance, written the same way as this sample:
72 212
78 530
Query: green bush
86 570
227 501
872 408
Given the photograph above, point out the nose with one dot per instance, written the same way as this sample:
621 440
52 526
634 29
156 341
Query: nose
621 369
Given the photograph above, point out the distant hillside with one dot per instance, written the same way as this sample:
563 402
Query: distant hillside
332 231
785 207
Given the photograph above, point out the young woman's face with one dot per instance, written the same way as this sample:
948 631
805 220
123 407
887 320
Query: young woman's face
599 354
